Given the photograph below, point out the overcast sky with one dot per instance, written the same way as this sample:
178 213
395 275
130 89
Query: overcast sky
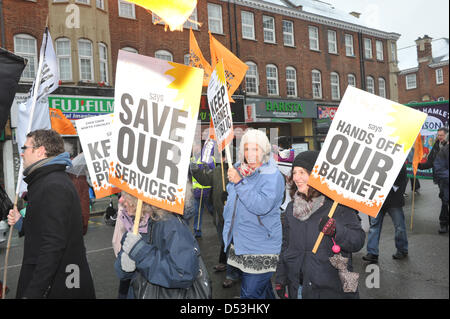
410 18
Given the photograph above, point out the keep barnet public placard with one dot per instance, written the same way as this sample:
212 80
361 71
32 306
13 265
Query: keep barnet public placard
155 116
95 133
365 148
219 106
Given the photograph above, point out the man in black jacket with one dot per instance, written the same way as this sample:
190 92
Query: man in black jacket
54 260
394 206
438 145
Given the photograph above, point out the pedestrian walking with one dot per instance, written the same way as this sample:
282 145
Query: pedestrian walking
393 205
437 146
162 261
440 168
54 260
252 226
327 274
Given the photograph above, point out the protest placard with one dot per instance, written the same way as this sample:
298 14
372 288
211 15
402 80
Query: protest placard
366 146
219 106
95 137
155 116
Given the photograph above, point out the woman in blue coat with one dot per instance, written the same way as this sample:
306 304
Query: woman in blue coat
252 225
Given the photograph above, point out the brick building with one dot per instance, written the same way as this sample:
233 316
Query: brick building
423 75
301 54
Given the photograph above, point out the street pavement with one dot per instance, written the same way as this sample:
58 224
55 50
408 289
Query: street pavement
424 274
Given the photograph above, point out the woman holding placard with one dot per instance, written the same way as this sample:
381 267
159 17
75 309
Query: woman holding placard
163 255
252 225
327 273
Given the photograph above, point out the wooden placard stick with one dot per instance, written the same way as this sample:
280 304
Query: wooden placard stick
319 239
137 217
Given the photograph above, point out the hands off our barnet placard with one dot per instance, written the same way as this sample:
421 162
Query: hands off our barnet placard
155 114
365 148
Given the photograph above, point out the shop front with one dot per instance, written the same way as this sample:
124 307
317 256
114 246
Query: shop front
286 121
325 114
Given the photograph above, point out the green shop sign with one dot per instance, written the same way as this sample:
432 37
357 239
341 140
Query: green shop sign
77 107
285 109
274 106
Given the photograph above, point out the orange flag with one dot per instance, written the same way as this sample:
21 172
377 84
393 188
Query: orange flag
60 123
173 12
235 69
418 153
212 133
196 58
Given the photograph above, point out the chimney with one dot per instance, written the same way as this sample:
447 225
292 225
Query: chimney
424 53
355 14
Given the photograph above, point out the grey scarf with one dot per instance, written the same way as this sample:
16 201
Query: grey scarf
36 165
303 209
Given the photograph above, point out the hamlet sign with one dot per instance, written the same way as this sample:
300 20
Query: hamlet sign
155 114
95 137
366 146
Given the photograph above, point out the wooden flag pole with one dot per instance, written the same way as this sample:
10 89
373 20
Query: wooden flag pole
5 270
228 154
223 175
137 217
412 205
319 239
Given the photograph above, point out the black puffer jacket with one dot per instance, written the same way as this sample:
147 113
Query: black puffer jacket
54 259
320 278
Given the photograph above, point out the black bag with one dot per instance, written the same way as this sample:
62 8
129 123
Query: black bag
200 289
5 204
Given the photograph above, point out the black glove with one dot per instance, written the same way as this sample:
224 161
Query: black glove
281 291
327 226
224 196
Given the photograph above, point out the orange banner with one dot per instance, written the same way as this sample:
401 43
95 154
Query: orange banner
418 153
60 123
196 58
235 69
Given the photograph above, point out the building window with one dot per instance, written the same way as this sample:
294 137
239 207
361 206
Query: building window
351 80
313 38
64 57
288 33
248 25
186 59
251 78
100 4
411 81
269 29
85 59
393 53
381 87
272 79
441 98
164 55
130 49
335 91
291 82
349 45
126 10
83 1
332 42
368 48
439 76
215 18
25 46
370 85
379 48
103 59
316 84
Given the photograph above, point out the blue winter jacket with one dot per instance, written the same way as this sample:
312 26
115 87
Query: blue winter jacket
256 200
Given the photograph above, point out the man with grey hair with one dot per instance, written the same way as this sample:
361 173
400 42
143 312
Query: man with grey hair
438 145
54 259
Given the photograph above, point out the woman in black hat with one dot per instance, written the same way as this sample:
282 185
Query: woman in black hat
327 273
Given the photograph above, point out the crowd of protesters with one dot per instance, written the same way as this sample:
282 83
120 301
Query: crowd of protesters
267 223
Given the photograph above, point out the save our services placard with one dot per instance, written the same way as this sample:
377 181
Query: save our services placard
155 115
95 137
219 106
365 148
